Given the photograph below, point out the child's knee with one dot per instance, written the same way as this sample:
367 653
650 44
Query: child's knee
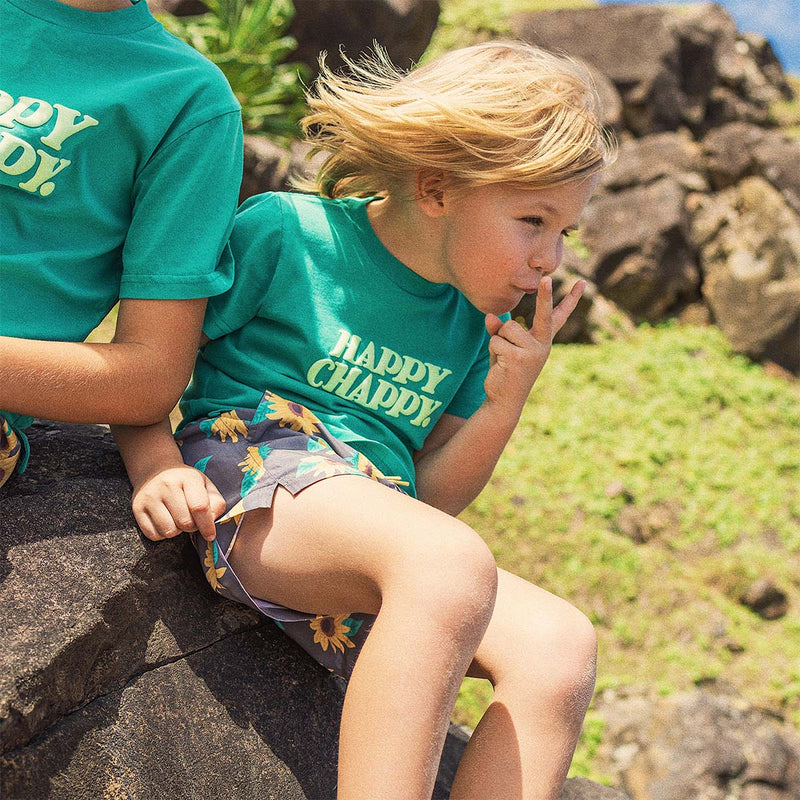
455 581
574 661
559 670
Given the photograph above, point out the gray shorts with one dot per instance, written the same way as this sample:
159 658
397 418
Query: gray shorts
247 454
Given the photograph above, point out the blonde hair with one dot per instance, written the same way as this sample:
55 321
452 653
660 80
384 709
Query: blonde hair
493 112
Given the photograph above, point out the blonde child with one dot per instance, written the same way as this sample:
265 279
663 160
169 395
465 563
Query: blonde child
360 381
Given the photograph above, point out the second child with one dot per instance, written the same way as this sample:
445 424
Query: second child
359 383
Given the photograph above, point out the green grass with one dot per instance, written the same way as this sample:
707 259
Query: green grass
705 443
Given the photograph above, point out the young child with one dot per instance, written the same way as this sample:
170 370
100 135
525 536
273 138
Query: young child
360 381
120 164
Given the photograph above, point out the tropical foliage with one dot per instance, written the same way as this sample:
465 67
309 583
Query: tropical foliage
247 40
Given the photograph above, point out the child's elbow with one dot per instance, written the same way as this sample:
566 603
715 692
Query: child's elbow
150 408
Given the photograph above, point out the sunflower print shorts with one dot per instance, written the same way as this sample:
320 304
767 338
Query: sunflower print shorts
248 453
10 451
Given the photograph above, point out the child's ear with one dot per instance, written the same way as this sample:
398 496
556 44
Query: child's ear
429 191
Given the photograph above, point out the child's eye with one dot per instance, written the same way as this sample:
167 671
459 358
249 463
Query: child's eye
535 221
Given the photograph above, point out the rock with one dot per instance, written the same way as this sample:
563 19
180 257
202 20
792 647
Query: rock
179 8
266 167
690 66
766 599
122 674
582 789
730 153
642 526
777 157
697 745
618 489
402 27
661 155
749 244
740 150
638 249
632 524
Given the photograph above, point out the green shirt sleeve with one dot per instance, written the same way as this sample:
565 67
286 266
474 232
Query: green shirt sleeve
184 201
255 248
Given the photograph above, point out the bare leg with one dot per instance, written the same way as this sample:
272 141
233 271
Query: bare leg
348 544
539 653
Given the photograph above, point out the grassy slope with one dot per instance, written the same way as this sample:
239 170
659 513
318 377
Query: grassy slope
708 445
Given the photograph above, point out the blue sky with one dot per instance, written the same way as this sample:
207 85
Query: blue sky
778 20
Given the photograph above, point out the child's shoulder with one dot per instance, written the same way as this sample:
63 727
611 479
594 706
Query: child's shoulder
297 207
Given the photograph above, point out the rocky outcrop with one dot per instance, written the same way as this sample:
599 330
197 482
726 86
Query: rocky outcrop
697 746
689 67
703 204
122 674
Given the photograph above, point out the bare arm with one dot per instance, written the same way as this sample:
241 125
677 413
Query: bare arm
134 380
459 456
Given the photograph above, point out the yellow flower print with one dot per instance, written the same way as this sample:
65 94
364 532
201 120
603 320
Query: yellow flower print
331 630
9 452
322 467
228 424
212 573
253 462
292 415
363 464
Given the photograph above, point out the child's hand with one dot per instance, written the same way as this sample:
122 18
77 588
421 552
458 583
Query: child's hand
517 356
175 500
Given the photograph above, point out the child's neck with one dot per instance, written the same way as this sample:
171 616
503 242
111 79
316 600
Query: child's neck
407 234
97 5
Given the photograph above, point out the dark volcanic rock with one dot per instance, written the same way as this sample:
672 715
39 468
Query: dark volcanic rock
122 674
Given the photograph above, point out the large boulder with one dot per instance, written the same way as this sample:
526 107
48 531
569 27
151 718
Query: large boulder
740 150
402 27
638 249
123 675
749 243
689 66
697 746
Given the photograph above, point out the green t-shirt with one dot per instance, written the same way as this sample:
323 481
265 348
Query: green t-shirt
322 313
120 164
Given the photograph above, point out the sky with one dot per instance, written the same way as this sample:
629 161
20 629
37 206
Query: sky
777 20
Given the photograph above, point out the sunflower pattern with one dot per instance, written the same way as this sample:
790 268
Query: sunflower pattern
10 449
247 453
287 413
331 631
213 574
253 467
227 424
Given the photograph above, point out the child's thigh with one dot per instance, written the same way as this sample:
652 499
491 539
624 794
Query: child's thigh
532 634
342 543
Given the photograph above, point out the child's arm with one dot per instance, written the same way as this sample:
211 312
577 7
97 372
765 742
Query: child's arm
135 380
459 456
168 496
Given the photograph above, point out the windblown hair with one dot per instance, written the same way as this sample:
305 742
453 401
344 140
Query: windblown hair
494 112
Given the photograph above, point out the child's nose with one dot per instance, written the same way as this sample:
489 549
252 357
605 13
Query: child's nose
547 259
